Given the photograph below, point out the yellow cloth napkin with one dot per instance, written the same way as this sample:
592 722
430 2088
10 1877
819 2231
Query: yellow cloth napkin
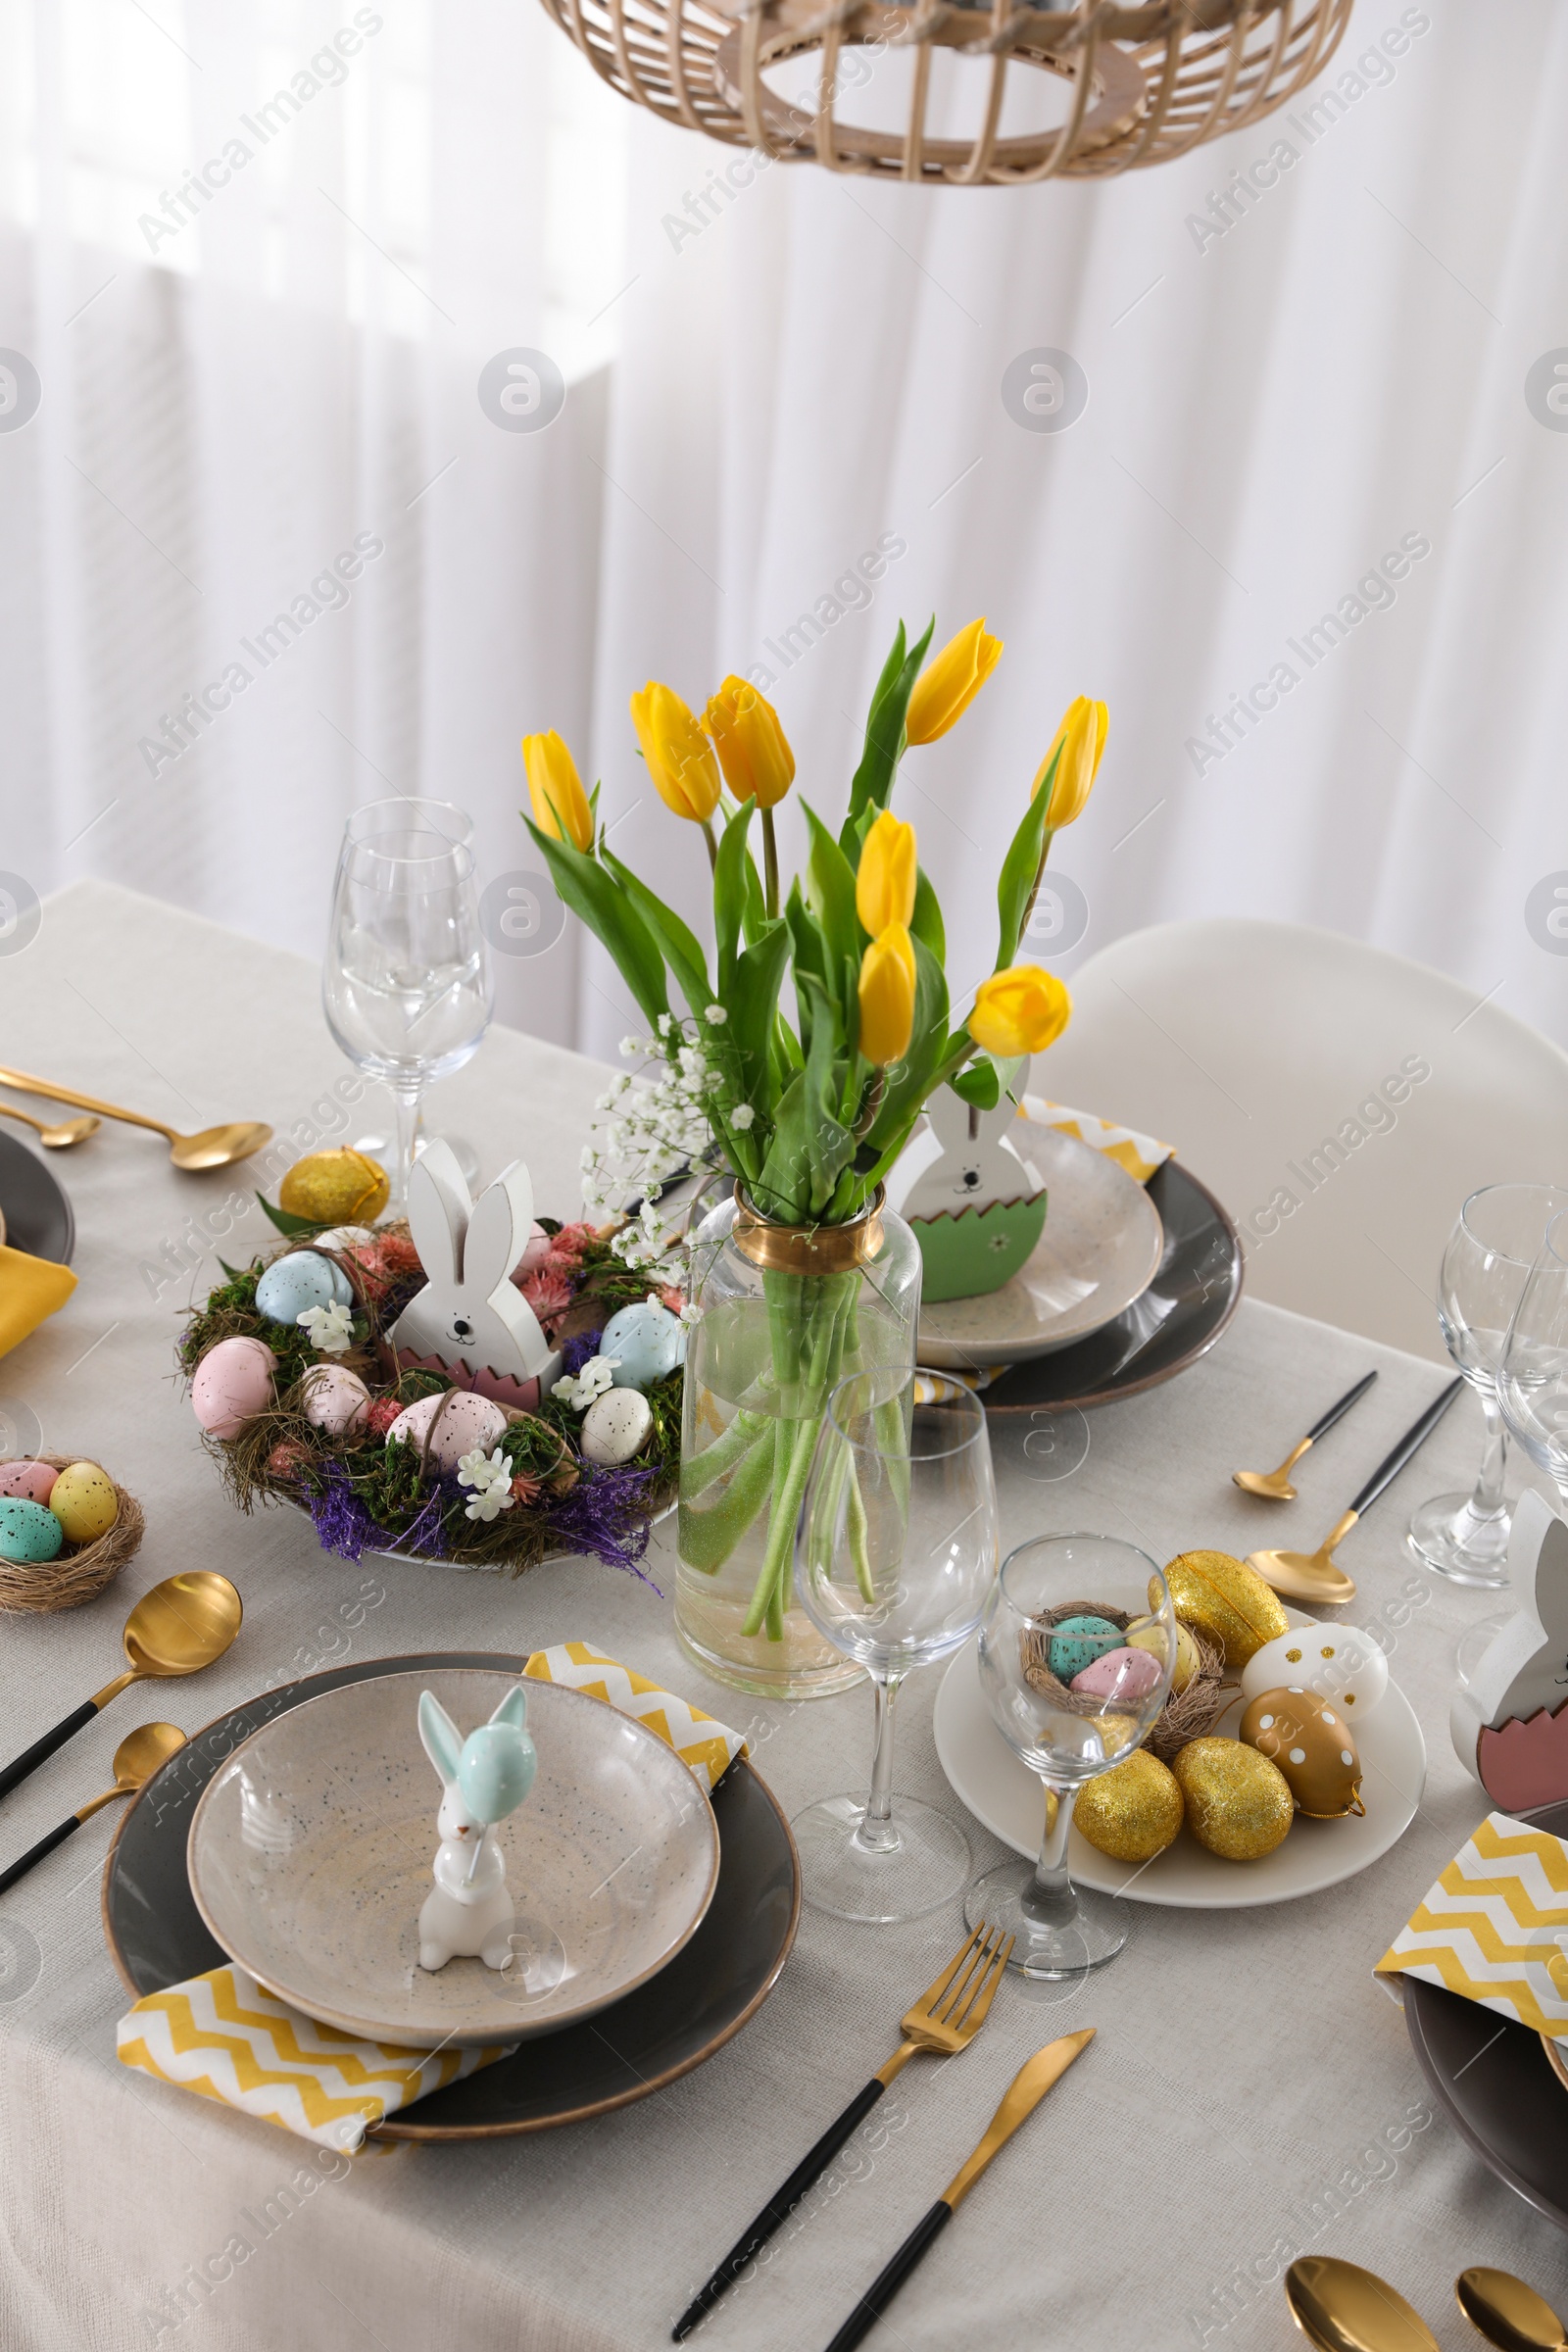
31 1289
1495 1927
1139 1154
225 2037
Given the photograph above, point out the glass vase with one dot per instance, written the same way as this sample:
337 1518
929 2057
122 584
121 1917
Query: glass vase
786 1313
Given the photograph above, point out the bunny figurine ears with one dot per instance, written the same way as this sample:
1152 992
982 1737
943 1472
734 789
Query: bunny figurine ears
468 1323
493 1769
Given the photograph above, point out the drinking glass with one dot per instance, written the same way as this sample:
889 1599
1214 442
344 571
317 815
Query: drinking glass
1065 1734
406 982
1489 1253
895 1550
1533 1381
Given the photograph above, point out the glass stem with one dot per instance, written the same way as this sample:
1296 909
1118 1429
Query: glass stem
1048 1895
876 1831
407 1100
1486 1500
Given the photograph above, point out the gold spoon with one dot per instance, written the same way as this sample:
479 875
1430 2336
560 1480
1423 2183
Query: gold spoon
138 1757
213 1147
1274 1486
1341 2307
177 1628
1507 2313
53 1138
1311 1576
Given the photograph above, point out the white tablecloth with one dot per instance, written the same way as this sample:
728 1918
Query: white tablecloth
1251 2092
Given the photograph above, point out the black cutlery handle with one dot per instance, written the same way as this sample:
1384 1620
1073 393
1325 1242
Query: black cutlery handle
778 2208
14 1774
1414 1438
880 2293
1336 1412
45 1845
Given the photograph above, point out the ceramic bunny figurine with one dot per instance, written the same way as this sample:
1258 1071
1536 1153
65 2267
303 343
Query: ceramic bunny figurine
468 1322
484 1777
1510 1724
975 1199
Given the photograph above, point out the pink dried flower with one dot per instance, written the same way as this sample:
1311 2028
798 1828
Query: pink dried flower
547 1293
381 1415
571 1241
524 1489
287 1458
672 1297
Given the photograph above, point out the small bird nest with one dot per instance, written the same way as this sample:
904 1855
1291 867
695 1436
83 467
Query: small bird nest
1189 1714
79 1571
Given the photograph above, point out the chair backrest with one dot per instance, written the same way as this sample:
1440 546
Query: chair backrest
1339 1101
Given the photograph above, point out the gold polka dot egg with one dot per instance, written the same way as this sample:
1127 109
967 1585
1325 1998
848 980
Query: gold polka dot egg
1305 1736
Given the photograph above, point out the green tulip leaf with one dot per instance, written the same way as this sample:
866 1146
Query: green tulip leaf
730 892
830 890
872 783
594 894
680 948
1020 870
926 921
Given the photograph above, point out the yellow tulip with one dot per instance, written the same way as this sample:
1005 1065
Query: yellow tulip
753 748
948 684
887 996
884 884
559 803
680 759
1081 740
1019 1011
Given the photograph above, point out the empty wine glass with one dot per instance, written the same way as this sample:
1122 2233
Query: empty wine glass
1533 1381
1489 1253
895 1552
406 982
1067 1731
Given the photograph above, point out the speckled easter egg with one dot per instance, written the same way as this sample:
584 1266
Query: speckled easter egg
466 1422
616 1427
29 1531
1312 1743
338 1187
1133 1811
1077 1642
1148 1633
1239 1804
30 1480
336 1400
291 1286
84 1502
1123 1676
233 1384
1342 1661
650 1342
343 1237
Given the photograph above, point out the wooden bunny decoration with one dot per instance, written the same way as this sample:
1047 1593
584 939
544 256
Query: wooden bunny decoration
487 1776
1510 1723
468 1323
968 1187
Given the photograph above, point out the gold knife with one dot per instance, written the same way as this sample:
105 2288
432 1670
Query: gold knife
1028 2088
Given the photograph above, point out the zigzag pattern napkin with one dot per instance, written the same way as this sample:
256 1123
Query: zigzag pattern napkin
1495 1927
707 1746
1139 1154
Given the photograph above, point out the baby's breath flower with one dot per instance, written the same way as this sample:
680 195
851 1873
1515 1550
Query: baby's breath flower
743 1116
718 1015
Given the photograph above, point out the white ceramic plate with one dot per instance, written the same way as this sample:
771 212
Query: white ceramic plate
310 1851
1005 1795
1100 1251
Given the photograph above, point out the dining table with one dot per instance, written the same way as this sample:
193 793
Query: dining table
1251 2093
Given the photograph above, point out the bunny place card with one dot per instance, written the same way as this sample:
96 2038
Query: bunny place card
974 1198
468 1323
1510 1723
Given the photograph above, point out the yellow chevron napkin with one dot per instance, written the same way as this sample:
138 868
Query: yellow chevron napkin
707 1746
1495 1927
1139 1154
31 1289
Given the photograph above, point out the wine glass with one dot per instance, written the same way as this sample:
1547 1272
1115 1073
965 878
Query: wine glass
1533 1381
1066 1733
895 1550
1489 1253
405 983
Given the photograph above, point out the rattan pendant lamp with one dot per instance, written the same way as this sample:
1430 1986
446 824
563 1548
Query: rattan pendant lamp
1144 84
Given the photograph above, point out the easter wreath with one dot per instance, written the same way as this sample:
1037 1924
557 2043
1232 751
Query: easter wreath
318 1429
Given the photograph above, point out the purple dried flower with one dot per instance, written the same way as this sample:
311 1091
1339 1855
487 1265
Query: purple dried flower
603 1515
342 1523
574 1354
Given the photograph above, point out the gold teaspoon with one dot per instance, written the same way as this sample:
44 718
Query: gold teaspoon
138 1757
1311 1576
213 1147
177 1628
53 1138
1274 1486
1341 2307
1507 2313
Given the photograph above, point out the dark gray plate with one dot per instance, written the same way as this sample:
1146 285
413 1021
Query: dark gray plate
710 1988
38 1216
1497 2089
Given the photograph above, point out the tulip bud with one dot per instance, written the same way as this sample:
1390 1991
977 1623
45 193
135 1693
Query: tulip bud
949 682
559 803
1081 738
753 748
679 757
884 883
887 996
1021 1010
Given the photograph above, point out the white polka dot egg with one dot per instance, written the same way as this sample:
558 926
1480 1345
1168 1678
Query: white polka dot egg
1340 1661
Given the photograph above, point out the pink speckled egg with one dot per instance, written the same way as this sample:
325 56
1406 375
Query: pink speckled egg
1120 1674
533 1257
468 1421
233 1382
336 1400
32 1482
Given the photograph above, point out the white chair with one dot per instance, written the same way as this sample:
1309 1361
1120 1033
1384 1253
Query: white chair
1340 1102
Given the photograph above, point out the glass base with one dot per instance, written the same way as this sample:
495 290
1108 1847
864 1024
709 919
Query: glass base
923 1869
1056 1935
801 1666
1474 1644
1451 1539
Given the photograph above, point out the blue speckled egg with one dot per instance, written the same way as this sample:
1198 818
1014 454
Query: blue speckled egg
292 1285
648 1338
1078 1642
29 1531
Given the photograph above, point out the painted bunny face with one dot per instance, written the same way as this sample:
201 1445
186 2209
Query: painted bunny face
964 1154
468 1315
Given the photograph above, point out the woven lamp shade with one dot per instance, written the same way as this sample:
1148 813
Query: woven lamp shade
1138 85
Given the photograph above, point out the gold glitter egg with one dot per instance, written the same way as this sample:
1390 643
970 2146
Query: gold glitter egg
1239 1805
1148 1633
340 1187
1132 1812
1303 1734
1225 1601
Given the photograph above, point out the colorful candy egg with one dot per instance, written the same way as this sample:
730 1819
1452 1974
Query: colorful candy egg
29 1531
30 1480
1239 1804
84 1502
291 1286
466 1421
233 1384
1149 1633
1120 1675
337 1187
1225 1600
1342 1661
336 1400
1078 1640
617 1426
649 1340
1312 1747
1133 1811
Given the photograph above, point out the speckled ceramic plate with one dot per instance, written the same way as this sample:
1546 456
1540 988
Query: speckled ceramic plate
311 1850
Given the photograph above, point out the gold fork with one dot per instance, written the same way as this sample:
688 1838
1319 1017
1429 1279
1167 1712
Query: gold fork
944 2020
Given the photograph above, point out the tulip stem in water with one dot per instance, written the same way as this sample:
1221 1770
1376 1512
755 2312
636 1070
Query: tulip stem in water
770 864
